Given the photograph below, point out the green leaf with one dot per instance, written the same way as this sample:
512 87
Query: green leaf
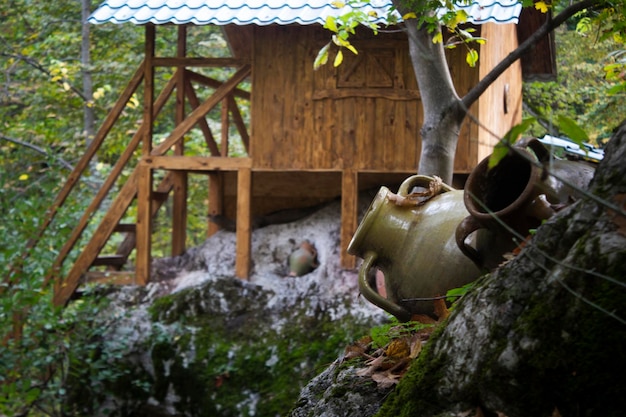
471 58
502 148
330 24
570 129
617 89
352 48
338 58
499 152
455 293
322 57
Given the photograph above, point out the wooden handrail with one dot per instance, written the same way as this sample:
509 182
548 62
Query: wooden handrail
108 183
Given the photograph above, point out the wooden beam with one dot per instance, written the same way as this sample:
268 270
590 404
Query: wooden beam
225 128
239 123
110 277
144 223
204 126
197 163
349 208
130 241
108 183
202 110
210 82
216 200
179 203
198 62
399 95
244 230
239 39
148 89
179 213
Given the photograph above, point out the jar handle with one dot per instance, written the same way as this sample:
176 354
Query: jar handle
467 226
372 296
419 181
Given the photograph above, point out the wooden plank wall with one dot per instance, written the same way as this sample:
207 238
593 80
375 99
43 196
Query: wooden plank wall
307 122
501 105
364 115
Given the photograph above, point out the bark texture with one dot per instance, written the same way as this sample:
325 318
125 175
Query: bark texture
544 334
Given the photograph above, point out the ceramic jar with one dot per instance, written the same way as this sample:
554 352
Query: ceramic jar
414 247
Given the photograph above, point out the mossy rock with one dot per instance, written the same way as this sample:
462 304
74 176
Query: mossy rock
224 349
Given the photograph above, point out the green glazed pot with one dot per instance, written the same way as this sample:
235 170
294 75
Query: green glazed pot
414 247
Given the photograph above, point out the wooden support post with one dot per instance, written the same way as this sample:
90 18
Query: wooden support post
225 127
148 93
179 213
179 204
144 223
216 199
349 219
244 231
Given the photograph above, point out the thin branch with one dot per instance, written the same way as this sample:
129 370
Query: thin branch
37 149
546 28
33 63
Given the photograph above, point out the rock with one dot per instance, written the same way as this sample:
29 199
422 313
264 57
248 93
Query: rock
197 341
339 392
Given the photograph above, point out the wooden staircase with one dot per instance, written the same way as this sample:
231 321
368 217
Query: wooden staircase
138 188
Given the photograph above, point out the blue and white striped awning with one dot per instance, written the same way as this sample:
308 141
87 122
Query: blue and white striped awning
265 12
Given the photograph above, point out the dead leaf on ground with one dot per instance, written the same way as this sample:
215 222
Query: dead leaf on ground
387 365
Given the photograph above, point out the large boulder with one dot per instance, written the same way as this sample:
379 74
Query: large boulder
199 342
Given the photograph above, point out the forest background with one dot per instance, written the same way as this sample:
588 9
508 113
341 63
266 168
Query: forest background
60 77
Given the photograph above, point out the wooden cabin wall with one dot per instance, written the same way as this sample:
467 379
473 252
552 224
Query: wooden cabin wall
364 115
501 105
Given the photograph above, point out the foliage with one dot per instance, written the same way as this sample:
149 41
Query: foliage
583 91
65 351
42 137
383 334
363 12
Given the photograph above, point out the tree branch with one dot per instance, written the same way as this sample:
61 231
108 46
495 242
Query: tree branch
546 28
39 150
33 63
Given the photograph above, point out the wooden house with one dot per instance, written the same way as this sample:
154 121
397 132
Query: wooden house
313 136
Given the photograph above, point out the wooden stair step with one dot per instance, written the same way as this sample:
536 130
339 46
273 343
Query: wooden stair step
109 260
125 228
110 277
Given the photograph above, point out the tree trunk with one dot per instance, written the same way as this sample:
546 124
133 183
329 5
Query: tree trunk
88 113
543 335
443 113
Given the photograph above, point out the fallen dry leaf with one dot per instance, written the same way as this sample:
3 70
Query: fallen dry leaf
398 349
385 380
416 346
441 309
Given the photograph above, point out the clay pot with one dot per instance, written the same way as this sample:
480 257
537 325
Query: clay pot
414 247
507 201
